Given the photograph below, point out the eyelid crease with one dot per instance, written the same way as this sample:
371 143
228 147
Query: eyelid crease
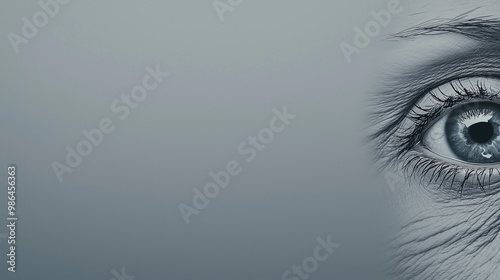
436 102
409 132
399 94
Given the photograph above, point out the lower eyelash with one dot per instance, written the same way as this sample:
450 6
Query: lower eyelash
418 167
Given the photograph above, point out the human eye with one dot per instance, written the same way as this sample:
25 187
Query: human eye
451 136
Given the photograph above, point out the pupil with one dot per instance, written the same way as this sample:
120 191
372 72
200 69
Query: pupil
481 132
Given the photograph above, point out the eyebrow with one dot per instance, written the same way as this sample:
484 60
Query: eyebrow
482 28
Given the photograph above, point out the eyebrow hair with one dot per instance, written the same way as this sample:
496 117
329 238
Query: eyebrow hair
482 28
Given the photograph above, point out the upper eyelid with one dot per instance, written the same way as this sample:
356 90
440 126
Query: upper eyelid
458 87
407 135
402 92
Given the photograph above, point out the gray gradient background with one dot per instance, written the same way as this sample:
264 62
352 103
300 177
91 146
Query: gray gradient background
119 208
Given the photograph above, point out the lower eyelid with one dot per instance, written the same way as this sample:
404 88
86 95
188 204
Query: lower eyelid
424 151
460 180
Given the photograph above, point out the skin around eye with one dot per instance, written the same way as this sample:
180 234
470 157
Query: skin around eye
451 137
442 233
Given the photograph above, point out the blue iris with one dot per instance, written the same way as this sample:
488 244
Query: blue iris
473 132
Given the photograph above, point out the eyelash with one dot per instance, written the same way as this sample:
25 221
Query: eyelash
416 165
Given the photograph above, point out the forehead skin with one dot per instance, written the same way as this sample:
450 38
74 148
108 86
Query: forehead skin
439 238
